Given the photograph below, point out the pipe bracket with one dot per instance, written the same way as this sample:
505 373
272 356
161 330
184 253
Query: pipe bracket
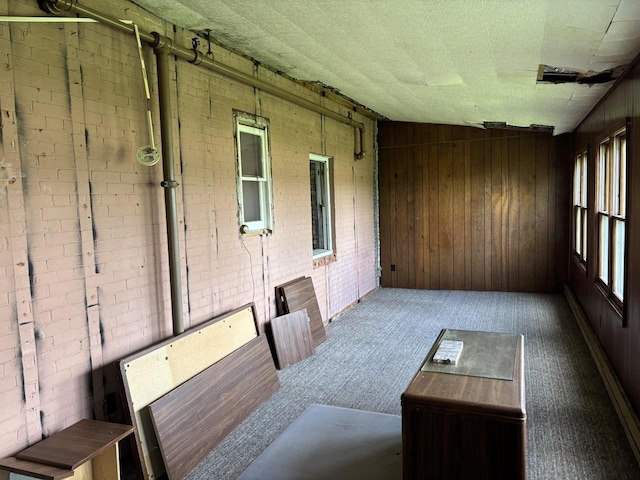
169 184
161 43
197 57
56 6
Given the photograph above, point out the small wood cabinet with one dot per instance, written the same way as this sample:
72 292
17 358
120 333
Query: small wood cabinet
86 450
457 426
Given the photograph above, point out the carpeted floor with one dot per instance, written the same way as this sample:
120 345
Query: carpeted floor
373 350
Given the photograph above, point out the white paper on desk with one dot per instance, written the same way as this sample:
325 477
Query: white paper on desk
448 352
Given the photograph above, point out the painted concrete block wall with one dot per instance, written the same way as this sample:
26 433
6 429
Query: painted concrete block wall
83 250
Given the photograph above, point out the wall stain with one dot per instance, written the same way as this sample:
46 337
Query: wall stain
44 435
2 122
67 80
101 328
94 231
32 277
184 209
23 392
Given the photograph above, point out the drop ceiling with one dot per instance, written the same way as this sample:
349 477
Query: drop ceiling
461 62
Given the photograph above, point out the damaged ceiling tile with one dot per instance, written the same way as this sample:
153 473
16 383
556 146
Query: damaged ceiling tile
550 74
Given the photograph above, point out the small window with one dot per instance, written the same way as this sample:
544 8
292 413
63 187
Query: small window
580 207
321 219
254 176
611 202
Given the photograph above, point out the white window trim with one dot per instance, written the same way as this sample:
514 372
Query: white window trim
581 214
611 208
265 225
328 218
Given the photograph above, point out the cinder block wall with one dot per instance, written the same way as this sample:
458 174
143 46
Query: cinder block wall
83 250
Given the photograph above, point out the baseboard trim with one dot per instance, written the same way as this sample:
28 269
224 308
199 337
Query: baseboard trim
621 403
350 306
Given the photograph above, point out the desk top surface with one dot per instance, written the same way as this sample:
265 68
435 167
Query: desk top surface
75 445
473 394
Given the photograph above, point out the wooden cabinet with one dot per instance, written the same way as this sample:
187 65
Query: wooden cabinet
458 426
88 450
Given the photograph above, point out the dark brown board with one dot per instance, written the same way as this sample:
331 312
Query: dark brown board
299 295
281 308
33 469
193 418
75 445
292 338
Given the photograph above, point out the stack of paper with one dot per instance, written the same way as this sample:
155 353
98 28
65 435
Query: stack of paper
448 352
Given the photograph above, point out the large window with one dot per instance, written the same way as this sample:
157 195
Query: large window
611 203
254 176
580 207
319 175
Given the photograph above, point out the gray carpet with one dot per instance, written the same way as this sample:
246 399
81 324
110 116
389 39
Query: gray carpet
374 349
333 442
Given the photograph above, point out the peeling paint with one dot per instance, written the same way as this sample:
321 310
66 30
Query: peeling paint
7 174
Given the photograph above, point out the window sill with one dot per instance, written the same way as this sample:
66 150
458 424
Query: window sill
580 264
256 233
617 307
322 258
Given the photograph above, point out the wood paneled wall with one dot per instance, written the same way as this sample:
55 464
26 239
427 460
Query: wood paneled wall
470 209
620 337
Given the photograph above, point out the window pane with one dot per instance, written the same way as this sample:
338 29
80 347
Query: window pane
615 179
251 201
583 188
320 204
603 254
577 182
316 202
602 178
584 234
617 283
623 177
251 155
578 217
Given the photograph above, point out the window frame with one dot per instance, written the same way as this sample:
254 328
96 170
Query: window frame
252 125
327 216
580 238
611 205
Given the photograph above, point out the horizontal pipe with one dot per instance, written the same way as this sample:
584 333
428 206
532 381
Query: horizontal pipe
158 41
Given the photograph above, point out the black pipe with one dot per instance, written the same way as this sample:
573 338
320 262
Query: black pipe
169 184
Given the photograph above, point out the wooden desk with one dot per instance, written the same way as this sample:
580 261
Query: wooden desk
462 426
86 450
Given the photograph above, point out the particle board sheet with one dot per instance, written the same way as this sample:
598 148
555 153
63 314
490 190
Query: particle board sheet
336 443
193 418
73 446
300 295
292 338
153 372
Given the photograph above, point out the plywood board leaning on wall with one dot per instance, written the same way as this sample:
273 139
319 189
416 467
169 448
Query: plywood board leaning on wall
155 371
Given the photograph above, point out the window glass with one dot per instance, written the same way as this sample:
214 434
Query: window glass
321 219
254 175
612 207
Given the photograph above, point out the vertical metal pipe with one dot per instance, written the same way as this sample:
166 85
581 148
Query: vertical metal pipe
169 183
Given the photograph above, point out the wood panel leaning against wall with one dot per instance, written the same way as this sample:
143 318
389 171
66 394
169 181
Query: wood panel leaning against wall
83 245
470 209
